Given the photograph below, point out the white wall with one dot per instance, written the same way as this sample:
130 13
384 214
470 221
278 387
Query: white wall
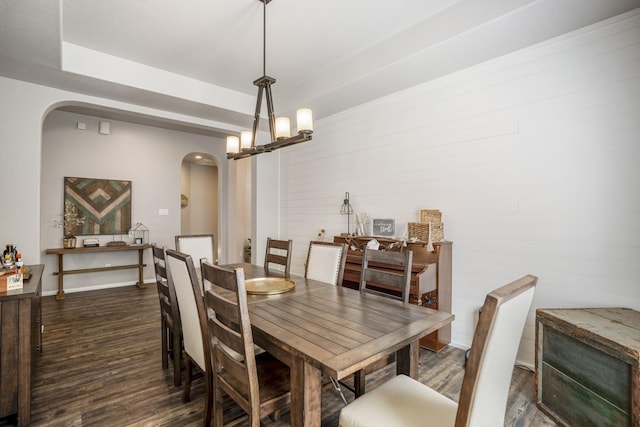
533 158
150 157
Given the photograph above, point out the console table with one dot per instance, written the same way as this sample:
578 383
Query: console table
430 277
62 251
20 342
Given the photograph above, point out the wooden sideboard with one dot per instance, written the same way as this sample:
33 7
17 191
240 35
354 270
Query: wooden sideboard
20 342
430 277
588 366
60 252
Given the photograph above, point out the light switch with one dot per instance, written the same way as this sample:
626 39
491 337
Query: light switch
163 212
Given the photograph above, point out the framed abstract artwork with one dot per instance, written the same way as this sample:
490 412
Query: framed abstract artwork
104 204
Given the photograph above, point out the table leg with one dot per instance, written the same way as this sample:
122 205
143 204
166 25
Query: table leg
306 394
60 294
140 283
407 359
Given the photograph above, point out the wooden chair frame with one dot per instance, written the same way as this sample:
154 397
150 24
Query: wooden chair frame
260 385
385 282
170 325
276 258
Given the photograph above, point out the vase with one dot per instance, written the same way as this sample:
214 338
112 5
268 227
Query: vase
69 242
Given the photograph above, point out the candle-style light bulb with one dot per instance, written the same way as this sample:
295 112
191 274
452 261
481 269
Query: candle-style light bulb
304 120
233 144
245 139
283 127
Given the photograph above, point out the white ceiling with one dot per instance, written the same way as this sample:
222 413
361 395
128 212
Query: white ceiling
199 58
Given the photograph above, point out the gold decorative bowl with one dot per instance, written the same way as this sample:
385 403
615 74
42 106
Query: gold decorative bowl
269 285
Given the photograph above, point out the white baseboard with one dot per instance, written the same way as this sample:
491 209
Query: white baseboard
95 287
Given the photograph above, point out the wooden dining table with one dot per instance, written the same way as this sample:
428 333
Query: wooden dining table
320 329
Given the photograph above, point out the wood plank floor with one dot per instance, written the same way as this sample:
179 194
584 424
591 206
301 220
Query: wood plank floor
101 366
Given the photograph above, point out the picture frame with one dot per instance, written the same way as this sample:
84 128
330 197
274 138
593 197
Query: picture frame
138 240
104 205
384 227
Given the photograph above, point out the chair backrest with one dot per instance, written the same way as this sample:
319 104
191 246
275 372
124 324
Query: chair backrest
199 246
278 252
394 280
326 261
166 290
192 314
485 387
230 336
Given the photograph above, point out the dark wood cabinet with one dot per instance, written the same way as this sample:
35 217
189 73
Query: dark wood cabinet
587 366
20 342
430 277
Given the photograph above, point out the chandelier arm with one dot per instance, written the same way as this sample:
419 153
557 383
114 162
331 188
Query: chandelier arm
271 114
256 118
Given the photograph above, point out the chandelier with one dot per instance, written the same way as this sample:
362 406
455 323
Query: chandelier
279 128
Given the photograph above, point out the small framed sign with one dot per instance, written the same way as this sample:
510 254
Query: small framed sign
384 227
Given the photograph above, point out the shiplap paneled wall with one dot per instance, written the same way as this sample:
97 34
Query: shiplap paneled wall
533 158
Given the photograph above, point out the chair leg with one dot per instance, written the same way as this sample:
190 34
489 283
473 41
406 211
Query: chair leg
165 338
359 382
186 396
177 359
208 410
218 407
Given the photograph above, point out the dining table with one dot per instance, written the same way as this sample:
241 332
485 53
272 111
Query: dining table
321 329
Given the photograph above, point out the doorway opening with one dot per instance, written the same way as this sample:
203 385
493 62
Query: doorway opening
199 195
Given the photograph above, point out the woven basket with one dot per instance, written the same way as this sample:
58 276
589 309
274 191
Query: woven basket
420 231
430 216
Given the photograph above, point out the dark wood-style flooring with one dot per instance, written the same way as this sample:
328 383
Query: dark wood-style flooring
101 366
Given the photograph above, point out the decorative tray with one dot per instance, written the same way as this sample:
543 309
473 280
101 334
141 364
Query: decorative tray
269 285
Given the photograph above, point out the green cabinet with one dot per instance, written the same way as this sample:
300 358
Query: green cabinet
587 366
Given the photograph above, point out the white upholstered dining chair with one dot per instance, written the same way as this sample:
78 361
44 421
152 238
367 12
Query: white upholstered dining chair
326 262
194 327
201 247
404 402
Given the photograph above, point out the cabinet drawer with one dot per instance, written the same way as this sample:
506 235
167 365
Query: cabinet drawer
573 404
605 375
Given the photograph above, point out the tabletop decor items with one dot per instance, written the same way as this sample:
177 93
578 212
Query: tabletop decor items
269 285
429 229
347 209
71 224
